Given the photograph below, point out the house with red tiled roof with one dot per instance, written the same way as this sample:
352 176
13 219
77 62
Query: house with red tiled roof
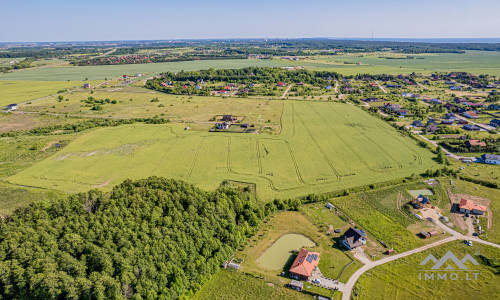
468 207
475 143
304 264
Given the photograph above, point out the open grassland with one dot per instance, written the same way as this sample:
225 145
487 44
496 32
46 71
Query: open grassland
21 122
12 197
322 147
231 285
112 71
399 279
22 91
136 103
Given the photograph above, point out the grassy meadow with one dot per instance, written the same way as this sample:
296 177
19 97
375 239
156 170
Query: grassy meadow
321 147
21 91
399 279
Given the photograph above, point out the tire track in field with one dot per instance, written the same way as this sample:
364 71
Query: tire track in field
229 155
330 164
340 138
417 155
257 144
361 132
297 171
170 146
195 158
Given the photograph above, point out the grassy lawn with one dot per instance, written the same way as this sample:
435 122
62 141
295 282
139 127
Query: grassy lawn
400 279
323 146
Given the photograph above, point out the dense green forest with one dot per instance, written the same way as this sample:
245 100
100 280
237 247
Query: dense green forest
148 239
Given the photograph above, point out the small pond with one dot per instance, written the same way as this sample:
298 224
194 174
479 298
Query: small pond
276 256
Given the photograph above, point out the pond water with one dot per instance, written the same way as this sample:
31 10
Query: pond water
425 192
276 256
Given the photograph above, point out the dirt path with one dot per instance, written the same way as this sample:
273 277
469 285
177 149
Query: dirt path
49 145
336 86
286 91
381 87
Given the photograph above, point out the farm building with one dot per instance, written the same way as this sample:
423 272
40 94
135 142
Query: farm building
86 85
354 238
304 264
491 159
417 123
424 234
329 205
433 233
468 207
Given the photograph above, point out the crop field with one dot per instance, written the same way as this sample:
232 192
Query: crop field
22 91
112 71
322 147
399 279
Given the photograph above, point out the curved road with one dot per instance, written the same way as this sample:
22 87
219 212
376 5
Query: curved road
348 286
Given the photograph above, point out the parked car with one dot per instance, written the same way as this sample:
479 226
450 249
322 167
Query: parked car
316 281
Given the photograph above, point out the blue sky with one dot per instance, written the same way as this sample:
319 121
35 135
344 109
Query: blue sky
57 20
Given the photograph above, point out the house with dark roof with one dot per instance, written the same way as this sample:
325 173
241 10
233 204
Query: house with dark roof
495 123
491 159
354 238
494 107
470 127
304 264
403 112
421 202
417 123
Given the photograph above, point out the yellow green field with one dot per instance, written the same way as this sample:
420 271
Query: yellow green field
322 147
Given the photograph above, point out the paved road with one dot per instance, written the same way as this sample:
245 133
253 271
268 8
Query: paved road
483 126
448 153
347 288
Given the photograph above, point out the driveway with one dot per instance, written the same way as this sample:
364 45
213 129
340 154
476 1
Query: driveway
326 283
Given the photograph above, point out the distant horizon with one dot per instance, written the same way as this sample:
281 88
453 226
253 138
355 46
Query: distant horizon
385 39
118 20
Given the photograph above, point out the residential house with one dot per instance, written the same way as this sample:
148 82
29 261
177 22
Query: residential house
494 107
470 127
447 122
469 207
460 100
86 85
281 84
354 238
223 125
392 107
304 264
417 123
328 87
12 107
371 99
421 201
495 123
432 128
396 86
450 116
491 159
475 143
406 95
403 112
463 122
471 114
455 87
299 83
436 101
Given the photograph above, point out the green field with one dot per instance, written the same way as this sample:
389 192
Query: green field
322 147
400 279
22 91
112 71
